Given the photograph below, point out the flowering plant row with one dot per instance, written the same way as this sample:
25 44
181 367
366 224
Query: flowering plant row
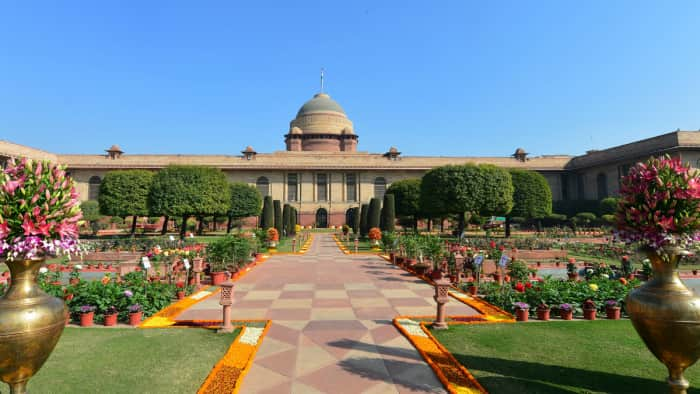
40 211
659 204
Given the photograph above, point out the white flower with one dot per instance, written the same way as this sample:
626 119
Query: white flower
78 267
43 270
605 276
251 335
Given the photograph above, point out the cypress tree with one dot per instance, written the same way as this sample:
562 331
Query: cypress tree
364 214
388 213
286 219
278 217
356 220
268 215
374 215
293 220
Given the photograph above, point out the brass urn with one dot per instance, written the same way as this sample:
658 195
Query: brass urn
31 322
666 314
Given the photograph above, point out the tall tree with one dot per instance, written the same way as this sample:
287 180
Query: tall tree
245 202
356 221
286 222
375 207
125 193
532 197
268 213
293 221
186 191
406 194
388 213
279 225
364 215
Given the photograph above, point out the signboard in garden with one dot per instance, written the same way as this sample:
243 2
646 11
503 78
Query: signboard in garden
186 263
503 261
145 262
478 259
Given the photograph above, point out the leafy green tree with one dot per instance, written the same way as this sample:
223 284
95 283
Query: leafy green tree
293 215
356 221
279 225
245 202
91 214
125 193
374 216
364 215
532 197
268 214
406 194
286 222
388 213
186 191
608 205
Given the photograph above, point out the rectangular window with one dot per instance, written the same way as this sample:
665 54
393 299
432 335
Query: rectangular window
292 187
321 187
350 188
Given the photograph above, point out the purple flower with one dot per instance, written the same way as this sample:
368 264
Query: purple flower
87 309
611 303
521 305
565 307
128 293
134 308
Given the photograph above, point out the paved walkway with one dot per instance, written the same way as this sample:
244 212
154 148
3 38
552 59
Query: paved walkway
332 326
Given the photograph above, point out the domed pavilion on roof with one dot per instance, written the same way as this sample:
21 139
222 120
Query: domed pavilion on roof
321 125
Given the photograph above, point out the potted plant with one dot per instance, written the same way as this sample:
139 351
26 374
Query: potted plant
472 287
522 310
87 315
411 248
543 311
110 316
571 269
589 309
375 235
220 254
180 286
273 238
135 314
566 311
612 309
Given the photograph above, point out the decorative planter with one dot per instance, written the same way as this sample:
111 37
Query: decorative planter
566 315
613 313
420 269
497 278
572 275
87 319
74 281
135 318
180 295
435 274
218 278
42 327
695 272
543 313
521 314
665 314
110 320
589 314
473 290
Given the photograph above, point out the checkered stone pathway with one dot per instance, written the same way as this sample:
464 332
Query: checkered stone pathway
331 323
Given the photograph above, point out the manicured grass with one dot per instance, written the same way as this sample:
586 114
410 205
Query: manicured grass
101 360
363 246
555 357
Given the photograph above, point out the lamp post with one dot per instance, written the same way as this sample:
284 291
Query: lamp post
226 301
442 287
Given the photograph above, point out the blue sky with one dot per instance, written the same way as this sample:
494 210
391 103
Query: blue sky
432 78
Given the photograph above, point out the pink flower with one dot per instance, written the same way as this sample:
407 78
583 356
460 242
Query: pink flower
11 186
4 230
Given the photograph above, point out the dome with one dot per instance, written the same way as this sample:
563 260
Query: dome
320 103
296 130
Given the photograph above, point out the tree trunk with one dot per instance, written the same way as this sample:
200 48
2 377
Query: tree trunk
430 224
460 227
228 225
415 224
200 225
133 225
539 225
164 230
183 227
507 226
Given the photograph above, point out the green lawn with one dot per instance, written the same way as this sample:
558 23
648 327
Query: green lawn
554 357
103 360
362 246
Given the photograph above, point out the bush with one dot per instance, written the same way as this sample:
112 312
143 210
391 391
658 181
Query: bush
229 250
608 205
585 217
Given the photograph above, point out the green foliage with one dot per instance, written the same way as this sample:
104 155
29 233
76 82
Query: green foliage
245 200
286 219
364 218
374 214
268 213
229 250
497 191
293 221
532 197
572 207
406 194
585 217
517 270
608 206
91 210
189 190
279 224
125 193
356 221
388 213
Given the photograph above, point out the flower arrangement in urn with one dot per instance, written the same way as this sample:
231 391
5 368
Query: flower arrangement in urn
272 238
659 210
39 217
375 234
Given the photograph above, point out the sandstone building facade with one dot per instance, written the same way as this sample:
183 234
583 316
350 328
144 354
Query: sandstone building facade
323 175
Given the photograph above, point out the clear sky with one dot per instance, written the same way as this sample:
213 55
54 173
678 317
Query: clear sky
476 78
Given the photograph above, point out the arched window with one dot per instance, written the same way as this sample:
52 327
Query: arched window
263 185
94 187
379 187
321 218
602 182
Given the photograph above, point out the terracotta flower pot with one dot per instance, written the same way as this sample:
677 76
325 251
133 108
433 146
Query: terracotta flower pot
87 319
589 314
74 281
572 275
566 315
218 278
613 313
543 313
180 295
473 290
521 314
135 318
110 320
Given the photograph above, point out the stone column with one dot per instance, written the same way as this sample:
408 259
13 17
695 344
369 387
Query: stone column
442 287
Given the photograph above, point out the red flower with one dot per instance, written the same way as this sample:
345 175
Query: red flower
528 285
623 281
492 244
519 287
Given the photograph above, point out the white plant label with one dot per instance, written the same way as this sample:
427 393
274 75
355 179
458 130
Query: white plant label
145 262
478 259
186 263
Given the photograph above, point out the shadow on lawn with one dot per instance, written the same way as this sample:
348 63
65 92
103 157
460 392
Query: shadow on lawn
531 377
